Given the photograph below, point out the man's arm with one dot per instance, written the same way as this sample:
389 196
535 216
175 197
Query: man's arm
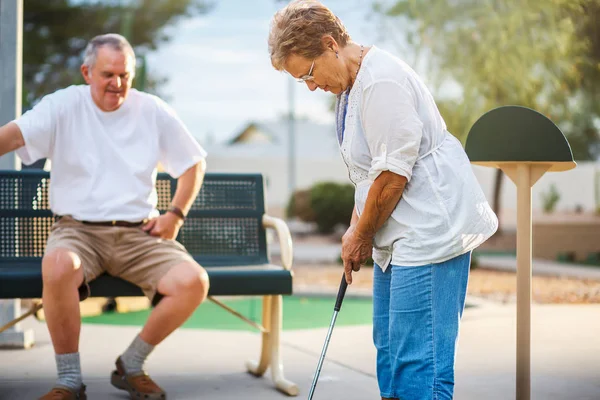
11 138
188 186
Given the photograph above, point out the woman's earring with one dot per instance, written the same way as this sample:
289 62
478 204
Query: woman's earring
337 55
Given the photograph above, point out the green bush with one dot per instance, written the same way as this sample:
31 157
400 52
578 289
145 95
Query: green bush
593 259
326 203
550 199
474 262
332 204
300 206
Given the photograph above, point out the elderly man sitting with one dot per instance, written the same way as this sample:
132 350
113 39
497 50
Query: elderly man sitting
105 141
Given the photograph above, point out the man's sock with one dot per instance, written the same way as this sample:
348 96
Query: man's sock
135 355
69 370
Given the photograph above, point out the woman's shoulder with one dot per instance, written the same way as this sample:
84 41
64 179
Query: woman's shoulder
383 66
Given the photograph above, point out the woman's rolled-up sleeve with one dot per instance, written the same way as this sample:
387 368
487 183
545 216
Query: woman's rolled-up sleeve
392 127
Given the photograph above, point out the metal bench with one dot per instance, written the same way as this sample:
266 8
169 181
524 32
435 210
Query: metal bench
225 232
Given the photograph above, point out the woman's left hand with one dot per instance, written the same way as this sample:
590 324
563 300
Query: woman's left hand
355 251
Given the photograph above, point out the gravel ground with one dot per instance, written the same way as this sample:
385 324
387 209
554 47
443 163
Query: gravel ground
491 284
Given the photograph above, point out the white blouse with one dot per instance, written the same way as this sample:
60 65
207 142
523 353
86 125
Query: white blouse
391 123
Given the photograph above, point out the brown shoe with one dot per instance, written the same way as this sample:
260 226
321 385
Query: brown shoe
63 393
139 386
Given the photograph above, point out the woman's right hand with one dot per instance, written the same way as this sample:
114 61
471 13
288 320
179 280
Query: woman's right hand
355 251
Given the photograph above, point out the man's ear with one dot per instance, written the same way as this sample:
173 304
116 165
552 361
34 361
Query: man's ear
85 71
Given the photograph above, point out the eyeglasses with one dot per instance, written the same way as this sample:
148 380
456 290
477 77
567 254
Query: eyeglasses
309 76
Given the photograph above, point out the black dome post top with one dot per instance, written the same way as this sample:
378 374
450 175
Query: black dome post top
524 144
516 134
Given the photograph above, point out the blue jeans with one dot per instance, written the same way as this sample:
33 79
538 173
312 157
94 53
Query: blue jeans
416 317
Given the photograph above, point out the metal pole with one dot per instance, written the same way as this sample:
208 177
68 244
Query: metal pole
11 55
11 38
524 253
292 139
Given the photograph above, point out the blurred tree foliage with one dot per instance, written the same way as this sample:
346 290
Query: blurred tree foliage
540 54
56 32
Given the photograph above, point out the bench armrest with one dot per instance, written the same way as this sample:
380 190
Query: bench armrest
285 238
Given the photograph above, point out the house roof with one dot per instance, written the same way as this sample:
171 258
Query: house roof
312 140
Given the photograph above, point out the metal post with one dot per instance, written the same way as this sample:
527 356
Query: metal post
292 139
11 47
524 265
11 37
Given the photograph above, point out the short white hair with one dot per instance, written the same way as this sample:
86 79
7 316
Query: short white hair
113 40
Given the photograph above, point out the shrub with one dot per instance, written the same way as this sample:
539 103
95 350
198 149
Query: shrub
550 199
332 204
300 206
474 262
326 203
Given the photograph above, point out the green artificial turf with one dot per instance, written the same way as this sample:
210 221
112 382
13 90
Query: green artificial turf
298 313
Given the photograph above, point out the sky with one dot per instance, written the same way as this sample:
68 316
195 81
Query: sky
219 72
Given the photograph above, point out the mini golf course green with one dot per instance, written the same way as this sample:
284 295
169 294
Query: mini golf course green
298 313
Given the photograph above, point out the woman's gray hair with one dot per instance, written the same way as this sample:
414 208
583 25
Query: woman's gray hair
298 29
113 40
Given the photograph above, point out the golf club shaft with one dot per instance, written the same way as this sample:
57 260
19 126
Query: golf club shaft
322 358
336 309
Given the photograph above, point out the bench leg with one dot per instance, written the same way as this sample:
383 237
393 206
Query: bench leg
11 334
281 383
270 357
259 368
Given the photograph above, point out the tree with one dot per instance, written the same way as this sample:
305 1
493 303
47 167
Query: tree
524 52
56 32
581 118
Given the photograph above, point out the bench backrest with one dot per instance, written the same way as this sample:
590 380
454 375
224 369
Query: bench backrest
223 227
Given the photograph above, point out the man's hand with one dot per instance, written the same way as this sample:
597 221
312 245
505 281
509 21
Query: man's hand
166 226
355 251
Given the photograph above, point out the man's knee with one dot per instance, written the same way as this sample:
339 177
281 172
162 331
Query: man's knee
61 267
198 283
191 279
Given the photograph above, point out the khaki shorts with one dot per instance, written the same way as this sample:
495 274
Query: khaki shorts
127 253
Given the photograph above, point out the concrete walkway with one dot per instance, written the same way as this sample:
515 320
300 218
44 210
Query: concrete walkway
208 364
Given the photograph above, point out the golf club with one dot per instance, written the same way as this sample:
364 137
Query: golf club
336 310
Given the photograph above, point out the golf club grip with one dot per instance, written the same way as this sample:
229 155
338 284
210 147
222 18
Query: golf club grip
341 293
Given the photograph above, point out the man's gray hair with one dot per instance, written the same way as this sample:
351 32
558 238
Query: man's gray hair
114 40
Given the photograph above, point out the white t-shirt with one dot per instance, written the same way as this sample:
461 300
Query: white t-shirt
104 164
392 124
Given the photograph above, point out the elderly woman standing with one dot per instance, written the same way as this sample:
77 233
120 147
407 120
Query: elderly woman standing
418 208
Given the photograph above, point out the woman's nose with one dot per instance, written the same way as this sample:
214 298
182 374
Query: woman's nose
311 86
